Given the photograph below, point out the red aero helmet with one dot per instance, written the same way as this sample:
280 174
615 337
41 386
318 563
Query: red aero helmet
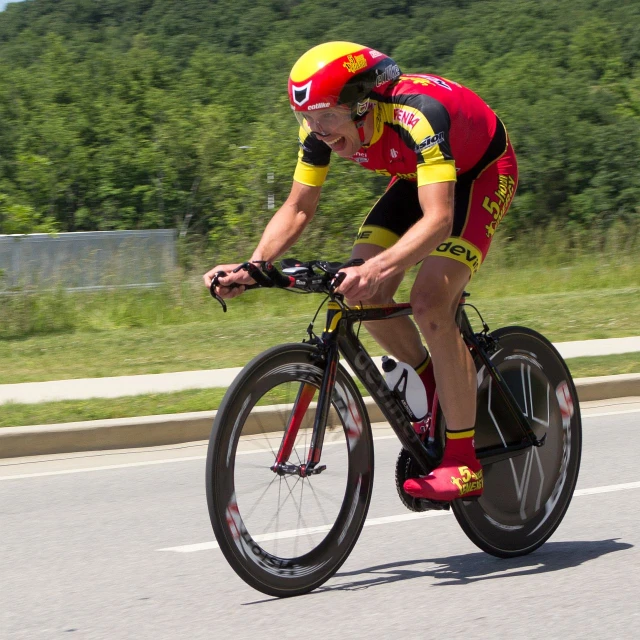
339 73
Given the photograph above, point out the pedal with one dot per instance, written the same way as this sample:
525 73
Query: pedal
431 505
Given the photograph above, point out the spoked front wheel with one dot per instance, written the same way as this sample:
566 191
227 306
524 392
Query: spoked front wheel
525 497
285 531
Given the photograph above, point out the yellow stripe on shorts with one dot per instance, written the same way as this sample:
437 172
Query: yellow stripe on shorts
460 250
371 234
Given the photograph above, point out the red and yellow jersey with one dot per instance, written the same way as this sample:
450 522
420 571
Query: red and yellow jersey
426 128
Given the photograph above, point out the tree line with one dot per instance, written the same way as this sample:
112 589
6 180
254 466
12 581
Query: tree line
131 114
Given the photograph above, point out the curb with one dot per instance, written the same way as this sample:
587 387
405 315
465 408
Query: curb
152 431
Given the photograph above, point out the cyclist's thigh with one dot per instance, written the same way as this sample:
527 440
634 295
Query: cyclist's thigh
438 287
481 201
390 217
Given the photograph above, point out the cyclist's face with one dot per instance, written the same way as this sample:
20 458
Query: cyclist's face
334 127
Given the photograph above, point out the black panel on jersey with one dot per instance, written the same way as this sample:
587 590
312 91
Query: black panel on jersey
433 110
315 152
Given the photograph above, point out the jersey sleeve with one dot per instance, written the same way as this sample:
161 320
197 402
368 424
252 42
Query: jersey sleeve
313 160
424 125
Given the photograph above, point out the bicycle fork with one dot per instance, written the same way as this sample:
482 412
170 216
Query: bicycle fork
300 407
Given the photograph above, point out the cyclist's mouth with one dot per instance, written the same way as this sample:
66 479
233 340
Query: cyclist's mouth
337 144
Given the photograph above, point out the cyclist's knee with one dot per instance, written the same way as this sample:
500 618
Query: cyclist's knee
432 309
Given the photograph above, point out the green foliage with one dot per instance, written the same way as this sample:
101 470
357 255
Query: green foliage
126 114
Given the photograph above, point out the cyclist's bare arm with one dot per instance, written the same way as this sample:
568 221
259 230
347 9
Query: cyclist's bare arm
288 223
436 202
282 231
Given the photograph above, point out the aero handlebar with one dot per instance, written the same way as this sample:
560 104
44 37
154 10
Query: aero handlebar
317 276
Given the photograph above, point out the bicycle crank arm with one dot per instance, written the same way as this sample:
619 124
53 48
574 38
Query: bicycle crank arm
489 455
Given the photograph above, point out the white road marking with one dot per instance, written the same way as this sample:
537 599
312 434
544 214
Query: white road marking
294 533
103 468
610 413
372 522
608 489
146 463
127 465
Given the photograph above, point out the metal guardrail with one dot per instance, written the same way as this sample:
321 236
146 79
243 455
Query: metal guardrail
86 260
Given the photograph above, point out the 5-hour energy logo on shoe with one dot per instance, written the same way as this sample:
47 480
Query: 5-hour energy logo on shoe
468 480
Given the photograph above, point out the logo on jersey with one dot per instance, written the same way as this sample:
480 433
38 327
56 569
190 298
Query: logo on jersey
354 63
360 157
407 118
425 80
301 94
431 141
439 81
394 154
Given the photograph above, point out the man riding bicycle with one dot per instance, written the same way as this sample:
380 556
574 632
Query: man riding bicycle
454 174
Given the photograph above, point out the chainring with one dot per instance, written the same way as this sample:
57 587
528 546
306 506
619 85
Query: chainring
406 467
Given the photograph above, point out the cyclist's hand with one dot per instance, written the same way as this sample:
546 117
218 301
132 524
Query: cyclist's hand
360 283
224 290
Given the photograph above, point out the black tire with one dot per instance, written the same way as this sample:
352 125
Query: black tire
526 497
273 561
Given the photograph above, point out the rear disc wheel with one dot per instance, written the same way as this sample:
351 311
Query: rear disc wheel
525 497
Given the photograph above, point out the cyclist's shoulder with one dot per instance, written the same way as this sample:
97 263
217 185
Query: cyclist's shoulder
426 93
434 97
426 84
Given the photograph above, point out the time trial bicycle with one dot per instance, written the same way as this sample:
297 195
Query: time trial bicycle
290 461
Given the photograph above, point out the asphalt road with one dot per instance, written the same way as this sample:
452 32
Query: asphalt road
100 546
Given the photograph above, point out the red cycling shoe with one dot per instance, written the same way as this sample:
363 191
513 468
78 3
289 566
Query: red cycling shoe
458 476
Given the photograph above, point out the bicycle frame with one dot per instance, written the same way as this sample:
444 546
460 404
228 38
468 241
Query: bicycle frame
339 337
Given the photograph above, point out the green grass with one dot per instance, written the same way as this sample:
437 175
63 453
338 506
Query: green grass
209 399
232 339
567 286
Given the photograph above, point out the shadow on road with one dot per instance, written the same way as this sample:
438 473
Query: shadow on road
475 567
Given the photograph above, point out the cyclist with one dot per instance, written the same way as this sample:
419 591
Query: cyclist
454 174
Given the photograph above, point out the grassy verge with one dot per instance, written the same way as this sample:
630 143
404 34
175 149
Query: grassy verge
208 399
567 287
232 339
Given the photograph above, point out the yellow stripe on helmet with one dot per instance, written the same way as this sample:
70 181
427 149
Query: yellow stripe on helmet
318 57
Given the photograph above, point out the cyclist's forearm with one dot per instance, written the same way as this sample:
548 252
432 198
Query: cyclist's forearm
415 245
281 233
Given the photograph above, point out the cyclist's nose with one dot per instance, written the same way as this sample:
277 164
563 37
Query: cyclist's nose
319 130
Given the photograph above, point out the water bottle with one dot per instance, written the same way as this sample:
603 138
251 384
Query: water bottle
407 387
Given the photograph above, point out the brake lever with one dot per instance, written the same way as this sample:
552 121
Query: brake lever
234 285
336 281
212 289
340 276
